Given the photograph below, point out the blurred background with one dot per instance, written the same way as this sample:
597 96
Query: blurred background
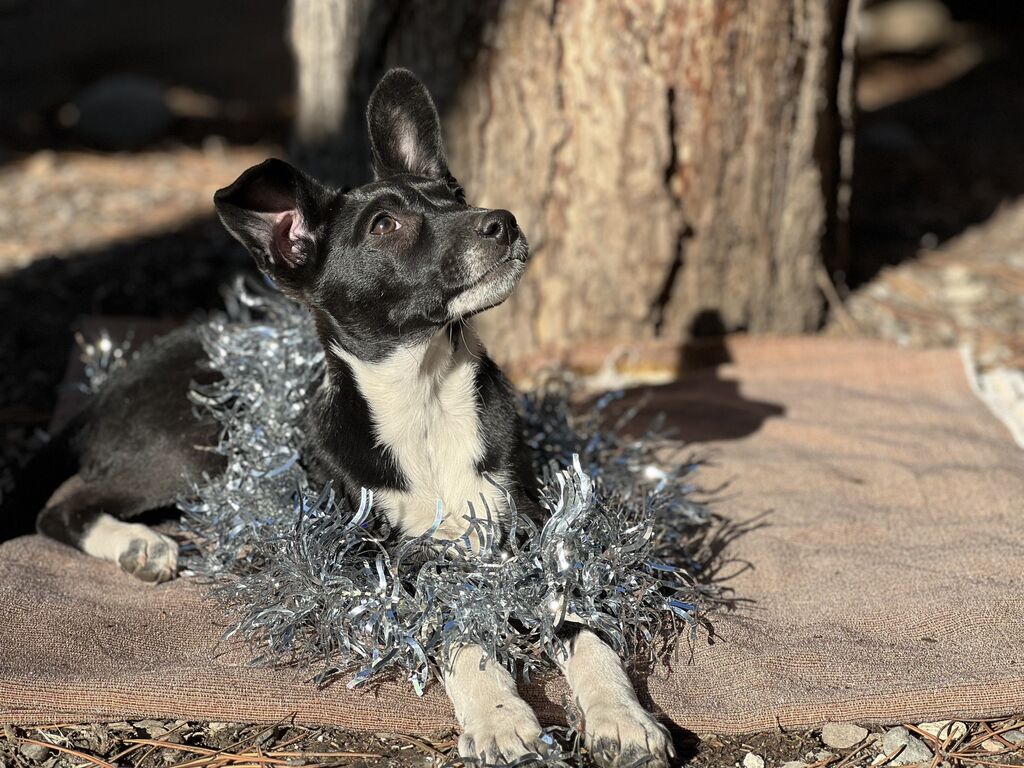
683 169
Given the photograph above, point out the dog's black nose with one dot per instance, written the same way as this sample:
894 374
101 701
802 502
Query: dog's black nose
499 225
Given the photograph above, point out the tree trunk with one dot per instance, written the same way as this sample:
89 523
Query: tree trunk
672 163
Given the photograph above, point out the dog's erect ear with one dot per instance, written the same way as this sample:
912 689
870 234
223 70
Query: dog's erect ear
276 211
405 131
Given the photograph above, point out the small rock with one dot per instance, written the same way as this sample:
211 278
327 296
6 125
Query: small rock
34 753
945 729
750 760
154 728
914 750
119 112
991 745
843 735
1014 737
794 764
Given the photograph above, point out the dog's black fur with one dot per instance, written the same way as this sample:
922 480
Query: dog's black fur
133 447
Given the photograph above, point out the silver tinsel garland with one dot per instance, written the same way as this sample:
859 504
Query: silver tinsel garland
310 581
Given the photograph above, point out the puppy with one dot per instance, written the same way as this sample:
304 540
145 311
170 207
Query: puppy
410 405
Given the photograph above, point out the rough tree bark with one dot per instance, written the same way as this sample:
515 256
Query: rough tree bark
673 163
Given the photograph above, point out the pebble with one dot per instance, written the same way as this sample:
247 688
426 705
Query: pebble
944 729
991 745
119 112
154 728
842 735
794 764
1014 737
34 753
750 760
914 750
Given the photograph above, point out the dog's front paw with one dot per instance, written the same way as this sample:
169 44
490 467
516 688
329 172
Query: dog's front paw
502 734
148 555
624 735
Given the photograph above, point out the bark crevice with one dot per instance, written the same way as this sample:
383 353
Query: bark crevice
676 264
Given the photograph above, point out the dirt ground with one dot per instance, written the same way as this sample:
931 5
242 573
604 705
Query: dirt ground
937 218
180 744
937 259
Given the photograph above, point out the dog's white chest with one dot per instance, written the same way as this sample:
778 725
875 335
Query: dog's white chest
424 410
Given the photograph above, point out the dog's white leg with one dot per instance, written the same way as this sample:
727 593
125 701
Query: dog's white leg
138 549
497 725
618 731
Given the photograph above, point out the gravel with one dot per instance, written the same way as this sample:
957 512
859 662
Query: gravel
771 749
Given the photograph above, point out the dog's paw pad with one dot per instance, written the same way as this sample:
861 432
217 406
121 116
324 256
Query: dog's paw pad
621 736
149 556
503 735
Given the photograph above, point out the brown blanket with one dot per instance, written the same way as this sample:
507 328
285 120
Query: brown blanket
881 579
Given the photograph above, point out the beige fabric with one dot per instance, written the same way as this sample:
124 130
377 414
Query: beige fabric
884 582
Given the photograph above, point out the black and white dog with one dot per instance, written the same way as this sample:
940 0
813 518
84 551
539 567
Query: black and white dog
410 405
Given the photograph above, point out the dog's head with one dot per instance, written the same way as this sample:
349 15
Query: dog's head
391 260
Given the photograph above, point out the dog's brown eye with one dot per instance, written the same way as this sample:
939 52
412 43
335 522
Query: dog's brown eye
383 225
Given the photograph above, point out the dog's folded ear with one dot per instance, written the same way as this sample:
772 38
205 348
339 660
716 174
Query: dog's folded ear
277 212
405 131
